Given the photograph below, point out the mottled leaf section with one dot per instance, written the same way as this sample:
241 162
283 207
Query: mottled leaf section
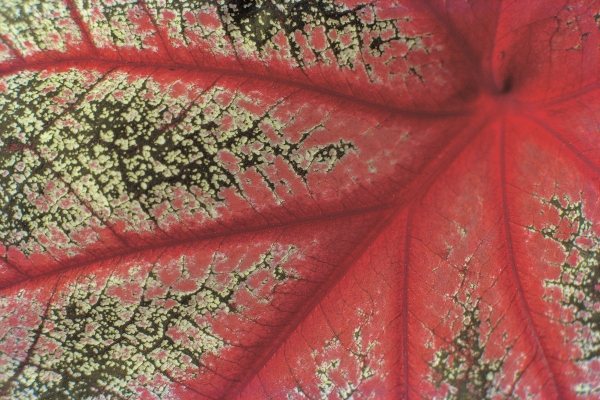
33 26
37 208
189 195
467 326
21 324
556 237
6 53
349 346
140 327
461 364
348 36
379 48
110 158
579 279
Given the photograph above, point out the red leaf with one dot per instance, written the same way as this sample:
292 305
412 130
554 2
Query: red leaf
328 199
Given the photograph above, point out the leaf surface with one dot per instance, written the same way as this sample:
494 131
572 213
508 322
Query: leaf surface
331 199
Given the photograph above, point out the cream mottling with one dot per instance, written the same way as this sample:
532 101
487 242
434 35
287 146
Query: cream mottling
462 367
139 329
579 275
302 33
120 23
343 377
96 153
35 26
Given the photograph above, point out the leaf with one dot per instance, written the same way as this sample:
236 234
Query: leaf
328 199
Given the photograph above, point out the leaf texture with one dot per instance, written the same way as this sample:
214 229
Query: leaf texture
332 199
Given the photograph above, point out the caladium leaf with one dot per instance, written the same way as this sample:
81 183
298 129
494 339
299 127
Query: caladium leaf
307 199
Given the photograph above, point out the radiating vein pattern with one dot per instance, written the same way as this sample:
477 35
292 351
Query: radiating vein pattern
299 199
